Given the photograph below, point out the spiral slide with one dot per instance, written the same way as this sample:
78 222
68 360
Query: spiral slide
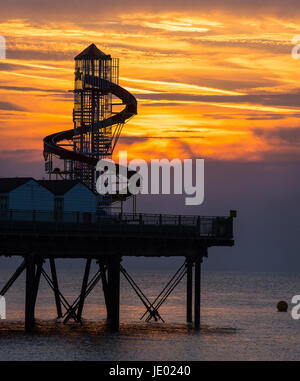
51 141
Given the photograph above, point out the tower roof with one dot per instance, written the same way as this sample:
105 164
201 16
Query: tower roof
92 52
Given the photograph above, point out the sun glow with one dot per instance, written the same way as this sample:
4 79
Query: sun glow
204 85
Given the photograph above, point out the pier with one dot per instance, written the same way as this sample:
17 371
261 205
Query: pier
107 239
93 232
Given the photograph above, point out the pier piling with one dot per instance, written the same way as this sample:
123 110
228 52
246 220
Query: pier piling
84 287
189 290
197 292
30 295
55 288
114 294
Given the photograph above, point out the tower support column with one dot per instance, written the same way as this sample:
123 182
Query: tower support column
114 293
39 267
105 290
198 262
55 287
84 287
189 290
30 294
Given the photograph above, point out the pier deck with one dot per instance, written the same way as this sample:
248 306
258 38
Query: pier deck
90 235
39 236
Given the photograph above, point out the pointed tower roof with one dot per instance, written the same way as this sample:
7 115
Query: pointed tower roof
92 52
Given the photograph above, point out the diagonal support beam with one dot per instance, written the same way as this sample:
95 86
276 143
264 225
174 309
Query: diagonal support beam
13 278
71 311
168 291
63 300
55 287
164 289
149 306
84 287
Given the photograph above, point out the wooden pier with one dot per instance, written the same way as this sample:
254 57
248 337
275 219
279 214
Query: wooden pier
37 236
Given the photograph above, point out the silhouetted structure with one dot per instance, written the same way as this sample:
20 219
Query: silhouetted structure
93 235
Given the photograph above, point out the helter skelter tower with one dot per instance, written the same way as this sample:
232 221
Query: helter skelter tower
97 122
93 105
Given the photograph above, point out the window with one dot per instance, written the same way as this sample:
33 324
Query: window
58 208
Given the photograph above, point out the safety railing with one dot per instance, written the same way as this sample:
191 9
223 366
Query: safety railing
203 225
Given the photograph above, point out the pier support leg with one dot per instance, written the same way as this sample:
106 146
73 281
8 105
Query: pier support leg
30 295
37 279
84 287
105 290
189 290
197 292
55 288
114 294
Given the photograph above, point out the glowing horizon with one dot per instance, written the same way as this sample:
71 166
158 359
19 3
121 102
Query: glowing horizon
230 82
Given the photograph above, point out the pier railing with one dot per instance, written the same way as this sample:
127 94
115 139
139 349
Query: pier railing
208 226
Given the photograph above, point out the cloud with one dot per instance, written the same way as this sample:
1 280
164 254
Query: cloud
158 104
128 140
30 89
95 9
14 52
265 99
234 116
279 135
19 153
8 106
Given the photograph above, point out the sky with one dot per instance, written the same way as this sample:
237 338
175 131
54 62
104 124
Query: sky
213 80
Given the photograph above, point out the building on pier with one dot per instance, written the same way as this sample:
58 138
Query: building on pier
50 199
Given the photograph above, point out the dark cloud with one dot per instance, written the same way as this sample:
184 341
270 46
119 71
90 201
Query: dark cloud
10 67
270 45
13 52
268 116
128 140
8 106
29 89
158 104
266 99
96 10
230 84
271 117
278 135
19 153
21 163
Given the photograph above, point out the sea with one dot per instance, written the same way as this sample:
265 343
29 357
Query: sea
239 320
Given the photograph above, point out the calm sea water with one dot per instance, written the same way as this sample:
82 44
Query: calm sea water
239 321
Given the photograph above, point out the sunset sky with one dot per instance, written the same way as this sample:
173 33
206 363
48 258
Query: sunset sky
213 79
